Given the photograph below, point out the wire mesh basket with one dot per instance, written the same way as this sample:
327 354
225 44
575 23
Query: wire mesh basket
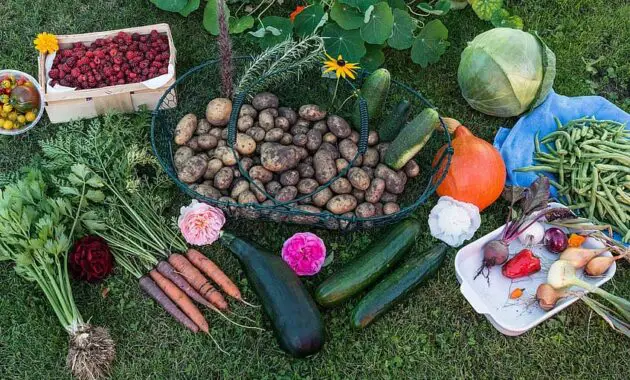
199 85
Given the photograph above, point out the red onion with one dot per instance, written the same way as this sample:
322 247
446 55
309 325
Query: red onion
555 240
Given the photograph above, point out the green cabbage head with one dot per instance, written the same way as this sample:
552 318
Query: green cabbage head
505 72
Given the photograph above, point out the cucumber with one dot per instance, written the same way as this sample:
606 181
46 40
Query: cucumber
389 128
374 91
296 321
367 268
397 285
411 139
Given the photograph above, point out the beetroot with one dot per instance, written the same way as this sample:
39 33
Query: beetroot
123 58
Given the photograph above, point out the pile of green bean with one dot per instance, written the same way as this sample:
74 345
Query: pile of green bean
591 159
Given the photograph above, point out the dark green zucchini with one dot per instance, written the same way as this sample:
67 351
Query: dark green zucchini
296 321
367 268
389 128
397 285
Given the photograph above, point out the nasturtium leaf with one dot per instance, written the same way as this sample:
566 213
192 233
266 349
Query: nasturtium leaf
211 17
346 16
277 29
363 5
348 43
307 21
192 6
379 26
170 5
485 8
397 4
430 44
373 58
439 8
402 32
241 24
501 19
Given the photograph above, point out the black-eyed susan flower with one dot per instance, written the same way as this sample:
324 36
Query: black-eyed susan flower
342 68
46 43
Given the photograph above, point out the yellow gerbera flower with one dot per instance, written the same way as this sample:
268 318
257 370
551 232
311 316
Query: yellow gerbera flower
341 67
46 43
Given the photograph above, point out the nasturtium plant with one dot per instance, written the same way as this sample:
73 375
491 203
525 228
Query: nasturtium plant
170 5
192 6
403 30
347 43
346 16
363 5
275 30
397 4
430 44
501 19
377 24
441 7
485 8
241 24
374 57
309 20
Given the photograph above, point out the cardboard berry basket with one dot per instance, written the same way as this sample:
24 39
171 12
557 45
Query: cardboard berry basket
88 103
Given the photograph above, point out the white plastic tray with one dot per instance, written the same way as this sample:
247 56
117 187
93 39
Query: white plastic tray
513 317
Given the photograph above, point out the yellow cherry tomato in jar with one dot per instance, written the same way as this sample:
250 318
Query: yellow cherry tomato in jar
13 116
30 116
6 83
8 124
7 108
21 119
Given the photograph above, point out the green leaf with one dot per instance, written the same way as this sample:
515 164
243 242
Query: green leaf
402 32
192 6
397 4
80 170
430 44
485 8
501 19
439 8
346 16
307 21
95 181
363 5
94 225
95 196
379 25
239 25
211 17
65 190
373 58
348 43
277 29
75 180
170 5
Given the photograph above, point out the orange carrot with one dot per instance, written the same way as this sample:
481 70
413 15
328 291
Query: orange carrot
149 286
197 280
181 299
215 273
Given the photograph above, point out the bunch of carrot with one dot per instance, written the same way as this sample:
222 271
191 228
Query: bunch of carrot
175 283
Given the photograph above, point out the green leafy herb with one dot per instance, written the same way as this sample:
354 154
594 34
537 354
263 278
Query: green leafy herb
430 44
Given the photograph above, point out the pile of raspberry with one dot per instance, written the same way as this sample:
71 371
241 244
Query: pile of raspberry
125 58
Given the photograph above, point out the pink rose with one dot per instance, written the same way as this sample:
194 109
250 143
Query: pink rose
305 253
200 223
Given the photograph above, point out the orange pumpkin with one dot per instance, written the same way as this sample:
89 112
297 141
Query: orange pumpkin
477 172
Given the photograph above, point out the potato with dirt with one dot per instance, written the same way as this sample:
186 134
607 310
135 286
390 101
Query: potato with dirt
329 138
287 193
372 138
259 172
218 111
193 169
278 158
289 114
374 193
257 133
305 218
321 127
290 178
324 166
341 186
338 126
412 169
248 110
359 195
181 156
266 119
322 197
313 140
341 204
226 155
207 142
312 112
307 185
247 163
282 123
365 210
287 139
185 129
216 132
238 186
274 135
214 165
257 188
207 190
265 100
301 127
332 149
203 127
359 179
244 123
390 208
247 197
371 157
305 170
393 182
349 150
223 179
272 187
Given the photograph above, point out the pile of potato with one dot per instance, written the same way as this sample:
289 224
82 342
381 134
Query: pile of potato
289 154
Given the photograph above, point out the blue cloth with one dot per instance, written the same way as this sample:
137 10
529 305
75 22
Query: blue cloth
517 144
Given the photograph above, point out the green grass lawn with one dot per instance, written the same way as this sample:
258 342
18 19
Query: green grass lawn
434 334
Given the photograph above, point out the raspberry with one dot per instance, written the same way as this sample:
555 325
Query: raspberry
132 75
113 52
144 64
121 81
64 82
145 72
156 64
120 75
85 69
130 55
75 72
135 36
153 69
116 68
77 45
53 73
62 74
143 38
118 60
89 54
99 54
93 65
163 70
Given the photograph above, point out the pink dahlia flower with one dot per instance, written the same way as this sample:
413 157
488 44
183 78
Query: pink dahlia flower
305 253
200 223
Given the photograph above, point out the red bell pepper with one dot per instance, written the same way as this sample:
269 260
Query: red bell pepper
521 265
